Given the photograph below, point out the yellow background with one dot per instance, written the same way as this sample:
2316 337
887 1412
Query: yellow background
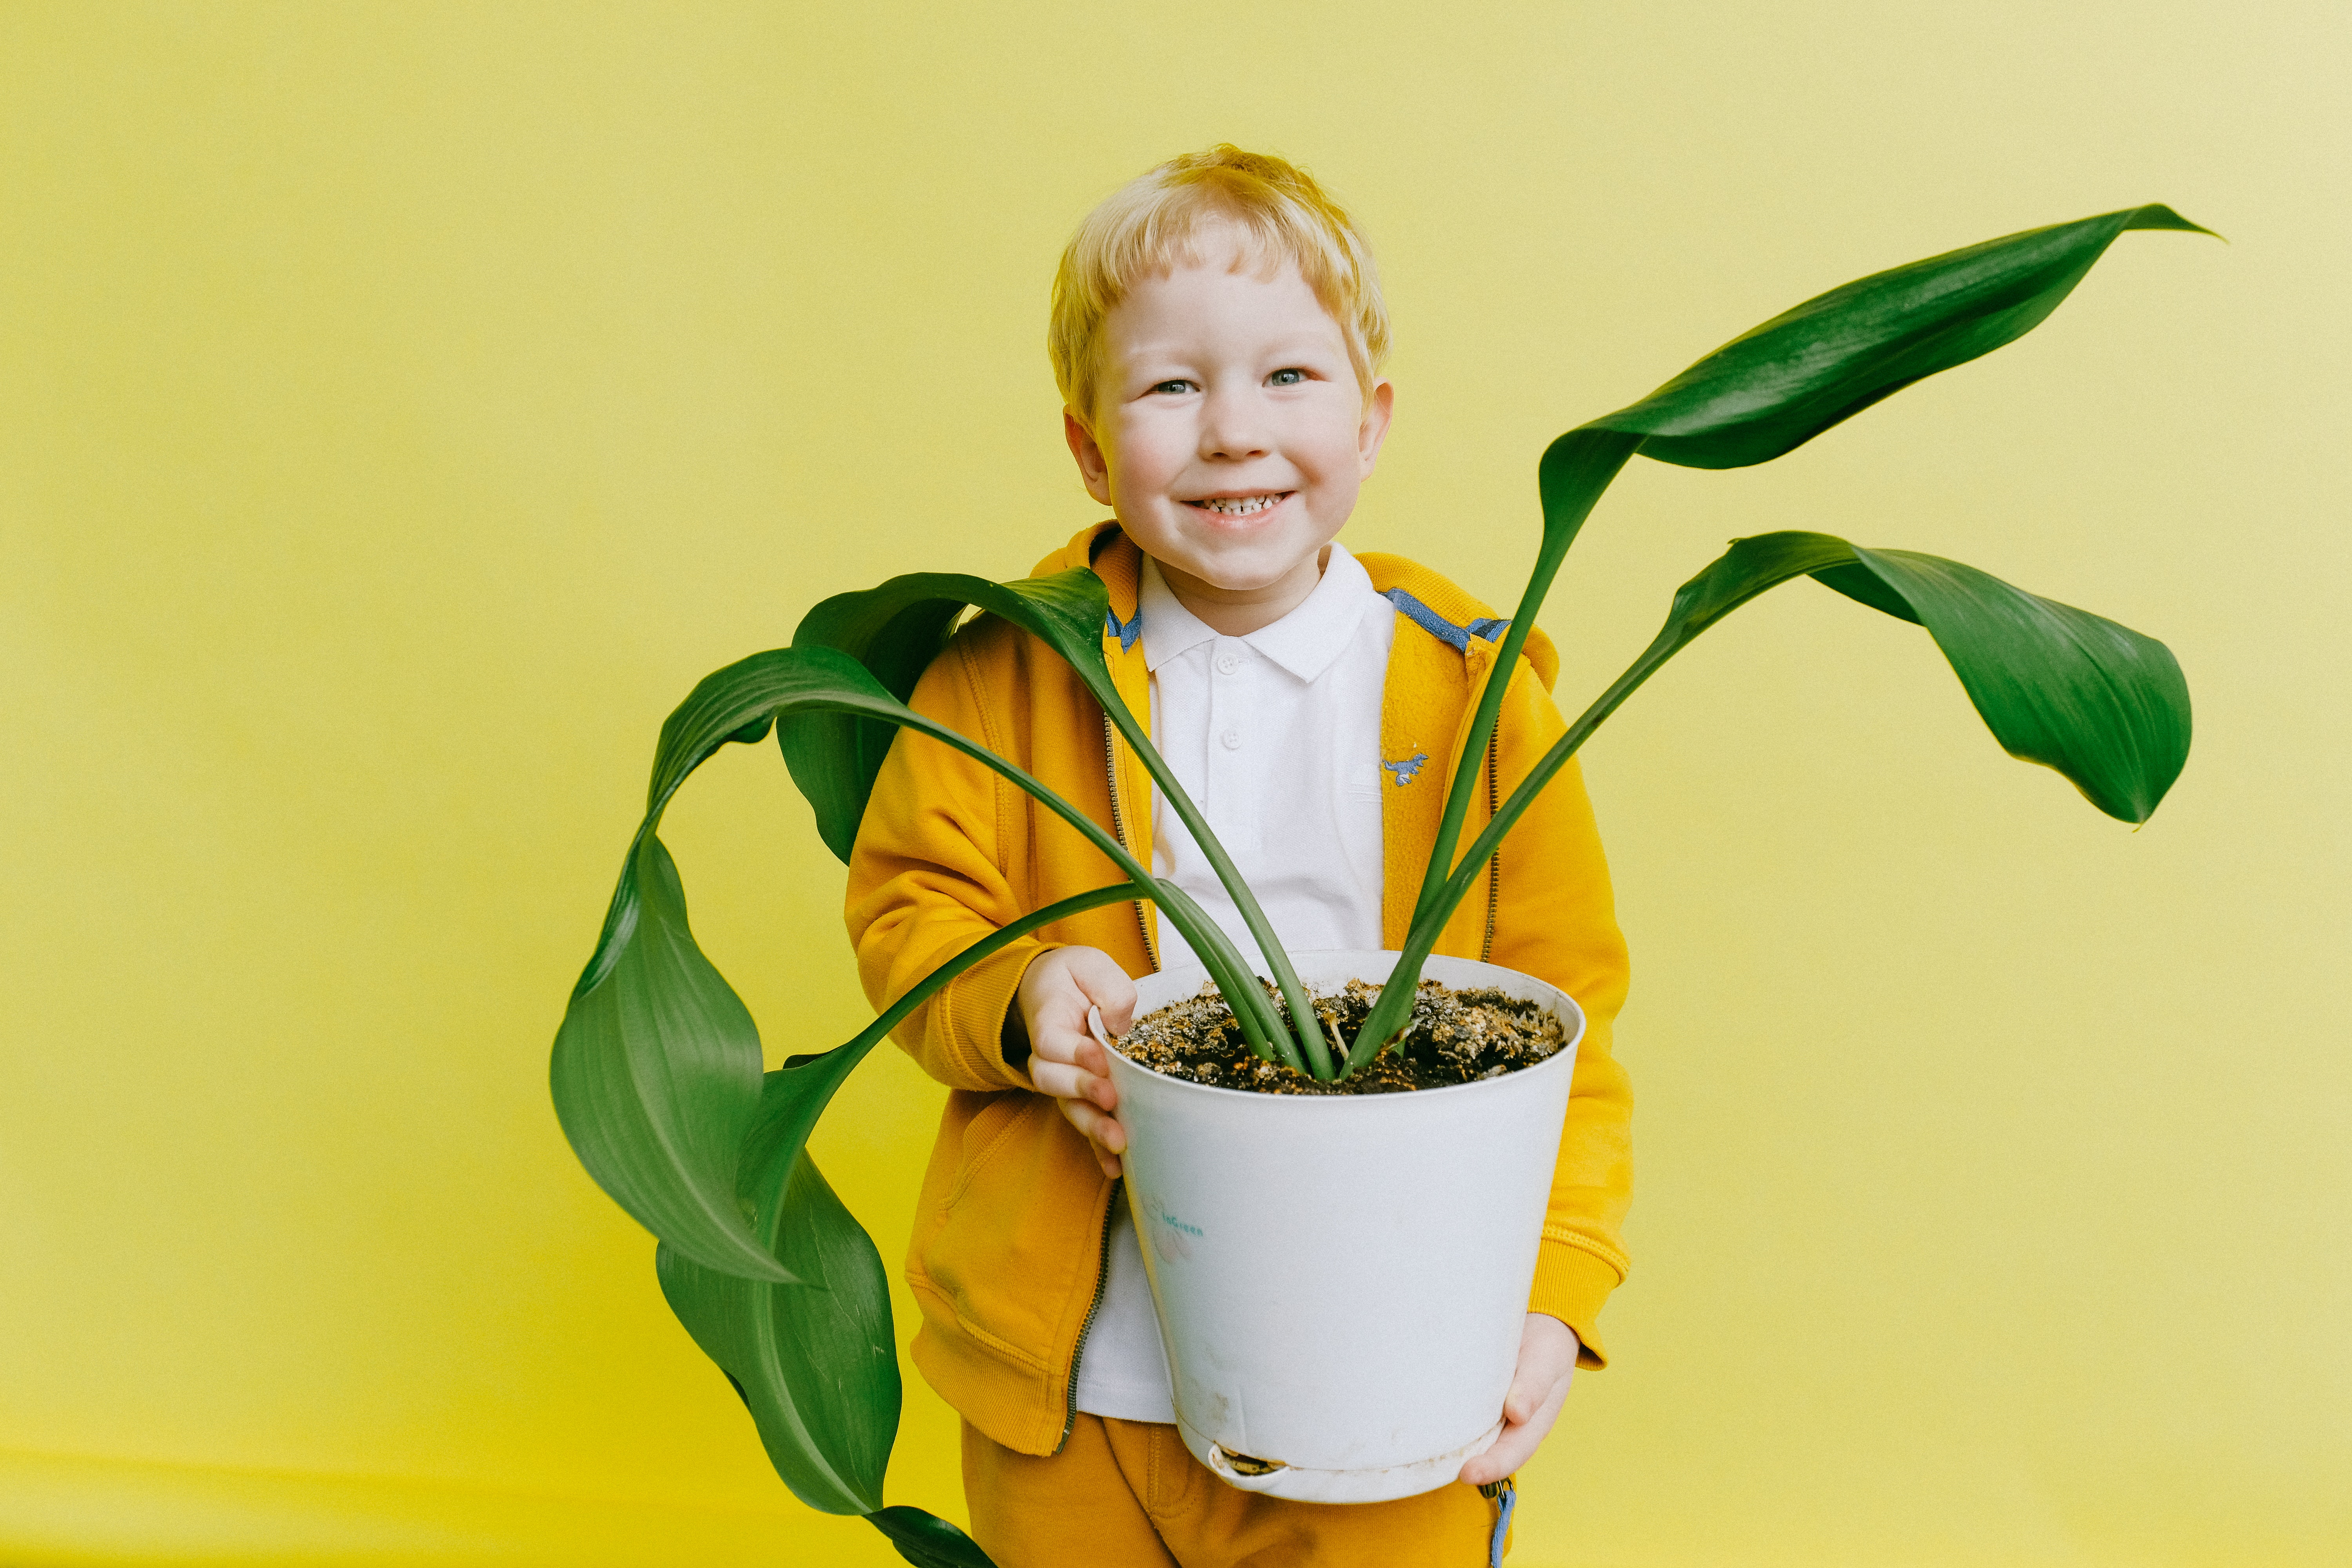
402 405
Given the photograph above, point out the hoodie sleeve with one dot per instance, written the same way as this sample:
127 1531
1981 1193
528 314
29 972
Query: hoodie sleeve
928 878
1556 919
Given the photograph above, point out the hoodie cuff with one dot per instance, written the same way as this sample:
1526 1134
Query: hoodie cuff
972 1022
1570 1285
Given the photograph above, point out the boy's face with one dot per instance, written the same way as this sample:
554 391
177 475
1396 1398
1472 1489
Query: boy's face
1230 433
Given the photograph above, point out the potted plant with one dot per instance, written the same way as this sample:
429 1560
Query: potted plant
656 1067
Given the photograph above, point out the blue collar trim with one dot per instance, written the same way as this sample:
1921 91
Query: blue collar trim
1487 628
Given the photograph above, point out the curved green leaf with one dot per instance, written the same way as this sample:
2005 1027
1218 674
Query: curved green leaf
1777 386
805 1356
2099 702
832 682
655 1079
655 1067
734 704
815 1363
927 1542
895 630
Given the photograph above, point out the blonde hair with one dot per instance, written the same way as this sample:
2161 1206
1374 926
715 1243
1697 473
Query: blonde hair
1278 212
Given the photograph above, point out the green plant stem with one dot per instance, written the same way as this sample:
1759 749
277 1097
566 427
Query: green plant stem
836 1063
1307 1032
1387 1016
1217 952
1284 1048
1688 618
1575 470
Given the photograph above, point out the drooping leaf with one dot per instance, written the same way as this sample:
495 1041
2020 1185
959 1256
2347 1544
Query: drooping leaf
895 630
655 1070
803 1356
927 1542
655 1079
635 1078
736 704
2098 702
2102 704
1780 385
815 1363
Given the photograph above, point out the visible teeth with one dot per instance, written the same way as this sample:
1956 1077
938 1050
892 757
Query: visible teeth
1239 507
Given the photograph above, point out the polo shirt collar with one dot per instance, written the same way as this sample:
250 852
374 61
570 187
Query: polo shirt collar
1303 642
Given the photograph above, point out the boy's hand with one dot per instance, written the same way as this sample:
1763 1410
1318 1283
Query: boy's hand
1065 1060
1548 1349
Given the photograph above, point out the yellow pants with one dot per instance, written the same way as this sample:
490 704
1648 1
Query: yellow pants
1126 1494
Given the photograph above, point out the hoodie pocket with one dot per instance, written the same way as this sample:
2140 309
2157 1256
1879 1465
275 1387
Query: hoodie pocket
984 1135
1014 1248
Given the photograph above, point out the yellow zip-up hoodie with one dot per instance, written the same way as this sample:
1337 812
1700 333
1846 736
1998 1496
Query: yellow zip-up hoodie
1007 1257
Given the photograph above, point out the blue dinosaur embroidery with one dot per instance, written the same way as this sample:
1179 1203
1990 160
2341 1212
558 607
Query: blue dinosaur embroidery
1405 769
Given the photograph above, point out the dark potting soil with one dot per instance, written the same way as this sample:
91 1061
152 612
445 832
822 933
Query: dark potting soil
1454 1037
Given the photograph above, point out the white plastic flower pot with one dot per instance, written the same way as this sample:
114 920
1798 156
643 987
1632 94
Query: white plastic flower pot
1342 1280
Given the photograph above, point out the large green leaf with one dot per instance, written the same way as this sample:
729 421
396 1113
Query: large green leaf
897 628
1778 385
655 1070
1775 387
2102 704
805 1356
927 1542
814 1361
655 1078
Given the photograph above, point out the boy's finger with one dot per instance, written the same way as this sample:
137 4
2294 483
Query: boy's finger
1058 1044
1511 1450
1060 1080
1529 1412
1104 1135
1528 1389
1064 1081
1119 1016
1106 986
1099 1125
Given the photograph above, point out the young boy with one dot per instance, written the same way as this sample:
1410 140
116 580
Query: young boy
1217 335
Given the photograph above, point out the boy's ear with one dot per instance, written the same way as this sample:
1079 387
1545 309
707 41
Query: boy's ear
1375 429
1093 468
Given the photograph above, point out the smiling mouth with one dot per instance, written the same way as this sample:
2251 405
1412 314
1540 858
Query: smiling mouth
1241 506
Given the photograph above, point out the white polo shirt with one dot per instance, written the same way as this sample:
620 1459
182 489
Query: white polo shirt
1277 737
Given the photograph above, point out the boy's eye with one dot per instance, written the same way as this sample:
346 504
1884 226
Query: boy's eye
1174 388
1286 378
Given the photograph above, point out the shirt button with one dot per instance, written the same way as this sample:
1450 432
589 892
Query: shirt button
1228 662
1232 740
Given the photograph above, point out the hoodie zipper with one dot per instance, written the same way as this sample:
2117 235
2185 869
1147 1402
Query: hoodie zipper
1102 1283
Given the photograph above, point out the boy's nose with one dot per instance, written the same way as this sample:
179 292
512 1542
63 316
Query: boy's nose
1232 426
